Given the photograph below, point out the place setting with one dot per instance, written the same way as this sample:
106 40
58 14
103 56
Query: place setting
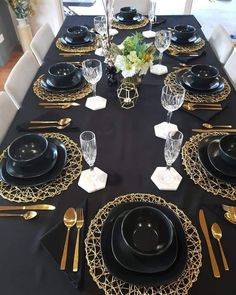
120 258
37 166
63 83
129 18
77 39
209 160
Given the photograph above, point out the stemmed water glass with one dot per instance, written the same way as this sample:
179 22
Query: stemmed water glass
162 42
151 12
100 25
92 72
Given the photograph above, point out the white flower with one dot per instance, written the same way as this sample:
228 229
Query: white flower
145 68
121 46
120 62
129 71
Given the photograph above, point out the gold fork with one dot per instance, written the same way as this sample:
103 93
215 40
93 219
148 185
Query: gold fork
79 225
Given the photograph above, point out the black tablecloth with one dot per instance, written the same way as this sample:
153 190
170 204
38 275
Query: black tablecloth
129 152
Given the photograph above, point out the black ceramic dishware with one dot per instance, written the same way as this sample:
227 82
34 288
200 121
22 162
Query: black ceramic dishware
204 75
184 32
227 146
86 41
77 33
137 278
146 231
127 13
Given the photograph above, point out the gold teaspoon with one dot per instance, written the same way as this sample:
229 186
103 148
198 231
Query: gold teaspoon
217 234
61 122
27 216
231 217
49 126
209 126
69 220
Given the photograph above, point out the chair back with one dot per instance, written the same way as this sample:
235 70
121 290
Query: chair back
230 67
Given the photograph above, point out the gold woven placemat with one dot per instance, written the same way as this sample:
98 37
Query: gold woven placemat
200 97
113 286
60 96
177 48
199 175
76 49
130 27
70 172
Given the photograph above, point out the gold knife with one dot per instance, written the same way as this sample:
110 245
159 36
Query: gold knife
204 228
215 130
31 207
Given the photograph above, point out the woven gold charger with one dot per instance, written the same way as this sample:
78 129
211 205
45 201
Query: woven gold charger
112 285
199 175
76 49
60 96
200 97
177 48
70 172
121 26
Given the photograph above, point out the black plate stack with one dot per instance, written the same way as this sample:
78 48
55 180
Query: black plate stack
215 153
134 248
78 36
32 160
128 16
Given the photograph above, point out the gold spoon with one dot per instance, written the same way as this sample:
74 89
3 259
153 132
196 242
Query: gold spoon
27 216
49 126
209 126
61 122
69 220
217 234
231 217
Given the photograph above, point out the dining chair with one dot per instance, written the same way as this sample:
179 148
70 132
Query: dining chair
41 42
140 5
188 6
230 67
20 77
221 43
7 113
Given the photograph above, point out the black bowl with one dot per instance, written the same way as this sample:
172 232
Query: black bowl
28 150
146 231
77 33
227 147
204 75
61 74
127 12
184 32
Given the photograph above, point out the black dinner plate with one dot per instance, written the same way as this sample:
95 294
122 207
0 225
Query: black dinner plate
179 79
143 279
49 176
205 162
44 84
41 168
88 39
217 161
136 19
146 264
193 40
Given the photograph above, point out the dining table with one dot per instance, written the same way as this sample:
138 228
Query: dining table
128 151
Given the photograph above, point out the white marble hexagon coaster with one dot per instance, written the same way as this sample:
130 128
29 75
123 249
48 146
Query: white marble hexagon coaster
169 186
92 181
96 103
161 130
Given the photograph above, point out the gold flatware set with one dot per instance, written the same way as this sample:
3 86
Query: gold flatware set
202 106
59 124
217 234
71 218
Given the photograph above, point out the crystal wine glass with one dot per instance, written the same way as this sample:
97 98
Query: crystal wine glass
151 12
162 42
89 147
100 25
92 71
172 98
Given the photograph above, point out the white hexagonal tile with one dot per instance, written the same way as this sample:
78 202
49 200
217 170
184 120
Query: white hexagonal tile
96 103
92 181
166 186
161 130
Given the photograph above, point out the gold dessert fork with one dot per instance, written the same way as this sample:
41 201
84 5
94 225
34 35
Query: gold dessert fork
79 225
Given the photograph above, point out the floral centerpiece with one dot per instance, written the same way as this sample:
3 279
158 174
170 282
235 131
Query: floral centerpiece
21 8
133 57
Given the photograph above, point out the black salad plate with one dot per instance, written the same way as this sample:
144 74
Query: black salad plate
183 78
136 19
217 161
143 279
49 176
193 40
205 162
44 84
88 39
133 262
41 168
